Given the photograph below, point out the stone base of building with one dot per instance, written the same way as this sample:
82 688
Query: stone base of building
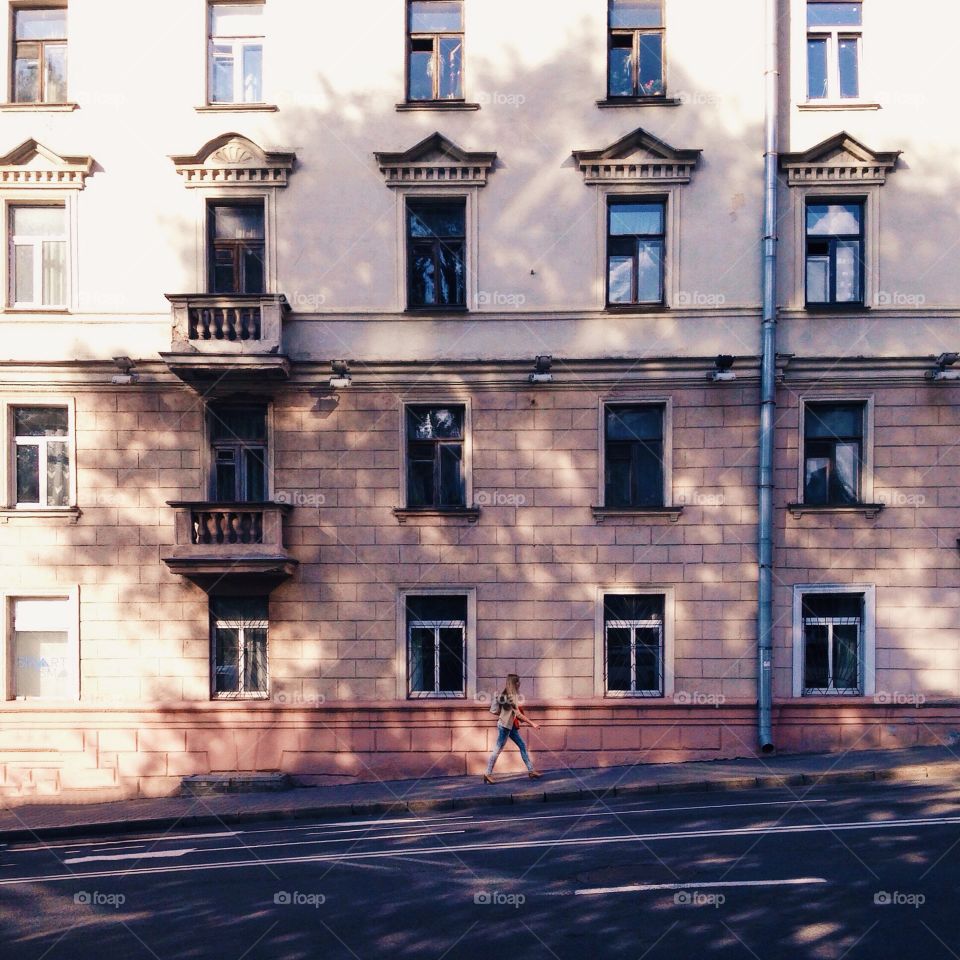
107 753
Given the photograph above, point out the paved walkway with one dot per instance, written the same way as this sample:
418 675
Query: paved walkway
35 821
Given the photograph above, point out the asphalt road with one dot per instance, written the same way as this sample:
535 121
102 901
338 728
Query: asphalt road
857 872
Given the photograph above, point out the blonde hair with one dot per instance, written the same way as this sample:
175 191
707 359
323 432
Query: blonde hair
511 690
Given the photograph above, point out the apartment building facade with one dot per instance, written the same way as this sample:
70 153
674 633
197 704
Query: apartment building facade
340 379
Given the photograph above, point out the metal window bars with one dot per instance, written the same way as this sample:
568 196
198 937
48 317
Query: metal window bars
240 659
436 658
633 658
838 666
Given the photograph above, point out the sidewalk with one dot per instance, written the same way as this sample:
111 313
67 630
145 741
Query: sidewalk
40 821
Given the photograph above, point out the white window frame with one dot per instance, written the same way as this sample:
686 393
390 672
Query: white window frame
867 463
8 471
10 243
69 594
632 401
469 642
833 36
237 44
470 196
670 194
869 196
867 636
600 641
240 626
467 445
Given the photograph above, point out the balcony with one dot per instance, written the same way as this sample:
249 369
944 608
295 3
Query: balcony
230 543
227 340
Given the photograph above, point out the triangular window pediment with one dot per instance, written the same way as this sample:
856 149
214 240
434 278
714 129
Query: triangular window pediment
839 159
436 161
639 157
234 160
35 166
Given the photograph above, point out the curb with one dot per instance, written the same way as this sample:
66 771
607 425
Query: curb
945 771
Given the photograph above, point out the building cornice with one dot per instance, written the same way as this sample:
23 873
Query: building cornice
34 166
838 159
232 160
637 158
436 161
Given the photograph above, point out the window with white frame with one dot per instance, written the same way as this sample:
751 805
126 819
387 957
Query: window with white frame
238 634
834 40
37 256
633 644
235 67
833 639
41 655
41 447
39 55
436 634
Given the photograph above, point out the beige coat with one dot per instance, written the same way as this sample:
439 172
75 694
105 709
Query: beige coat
508 712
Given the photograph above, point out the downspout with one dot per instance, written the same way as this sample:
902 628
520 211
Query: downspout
768 383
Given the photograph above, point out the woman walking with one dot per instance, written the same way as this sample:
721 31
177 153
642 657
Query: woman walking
510 716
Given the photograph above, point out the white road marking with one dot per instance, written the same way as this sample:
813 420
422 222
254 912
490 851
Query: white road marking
643 887
493 847
133 842
152 855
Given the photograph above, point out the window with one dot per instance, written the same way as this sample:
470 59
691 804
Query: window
435 469
236 53
238 628
833 643
635 60
633 633
835 254
635 251
436 248
37 256
833 50
633 455
436 641
238 438
237 247
832 453
40 55
435 50
41 441
42 652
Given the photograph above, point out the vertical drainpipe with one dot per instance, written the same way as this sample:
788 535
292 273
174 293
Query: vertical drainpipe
768 382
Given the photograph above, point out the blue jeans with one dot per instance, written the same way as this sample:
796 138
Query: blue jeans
514 734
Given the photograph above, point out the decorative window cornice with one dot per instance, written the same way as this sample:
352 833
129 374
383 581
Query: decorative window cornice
839 159
639 157
232 160
436 161
34 166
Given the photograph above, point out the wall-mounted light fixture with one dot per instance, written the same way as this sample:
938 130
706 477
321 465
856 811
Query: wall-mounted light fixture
723 369
341 375
541 371
941 373
126 376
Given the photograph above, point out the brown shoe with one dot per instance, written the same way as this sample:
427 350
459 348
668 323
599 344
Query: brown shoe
487 778
534 775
